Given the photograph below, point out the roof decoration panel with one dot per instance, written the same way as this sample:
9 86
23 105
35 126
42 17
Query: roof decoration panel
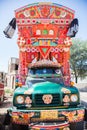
44 11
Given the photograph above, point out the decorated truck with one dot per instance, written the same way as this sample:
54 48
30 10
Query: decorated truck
1 93
45 97
1 87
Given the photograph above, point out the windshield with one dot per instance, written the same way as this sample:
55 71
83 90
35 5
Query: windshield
34 71
32 81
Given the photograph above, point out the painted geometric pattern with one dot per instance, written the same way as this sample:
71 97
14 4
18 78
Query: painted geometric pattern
24 118
44 10
42 29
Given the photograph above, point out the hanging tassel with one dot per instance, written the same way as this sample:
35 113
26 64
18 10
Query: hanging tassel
10 29
73 29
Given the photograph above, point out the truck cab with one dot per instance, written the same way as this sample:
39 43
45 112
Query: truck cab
45 98
46 88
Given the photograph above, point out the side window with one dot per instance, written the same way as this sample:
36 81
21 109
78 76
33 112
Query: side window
31 71
29 83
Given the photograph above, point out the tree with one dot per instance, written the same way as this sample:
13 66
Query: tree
78 59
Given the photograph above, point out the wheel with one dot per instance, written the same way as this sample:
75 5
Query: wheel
77 125
18 127
1 126
12 126
7 119
85 125
85 116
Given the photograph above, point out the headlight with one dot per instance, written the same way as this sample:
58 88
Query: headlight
20 99
74 98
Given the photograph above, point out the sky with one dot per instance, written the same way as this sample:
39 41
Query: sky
9 48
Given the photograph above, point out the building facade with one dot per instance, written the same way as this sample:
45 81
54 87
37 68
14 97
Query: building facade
12 72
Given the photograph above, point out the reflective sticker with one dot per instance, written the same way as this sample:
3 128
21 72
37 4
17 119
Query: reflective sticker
29 91
66 99
47 99
65 90
63 14
26 13
28 100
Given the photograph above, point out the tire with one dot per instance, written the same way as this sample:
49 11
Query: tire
85 125
12 126
7 119
18 127
85 116
1 127
77 125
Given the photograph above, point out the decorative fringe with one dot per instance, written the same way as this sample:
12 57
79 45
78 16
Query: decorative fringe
10 29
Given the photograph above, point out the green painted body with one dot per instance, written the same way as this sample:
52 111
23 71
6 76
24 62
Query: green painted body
45 88
44 94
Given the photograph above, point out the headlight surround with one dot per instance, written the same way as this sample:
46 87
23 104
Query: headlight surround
74 98
20 99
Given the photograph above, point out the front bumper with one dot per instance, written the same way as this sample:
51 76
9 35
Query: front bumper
50 126
27 117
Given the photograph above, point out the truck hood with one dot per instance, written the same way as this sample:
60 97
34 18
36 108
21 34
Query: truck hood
46 88
38 92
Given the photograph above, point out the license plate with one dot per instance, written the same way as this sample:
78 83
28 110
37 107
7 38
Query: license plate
49 114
